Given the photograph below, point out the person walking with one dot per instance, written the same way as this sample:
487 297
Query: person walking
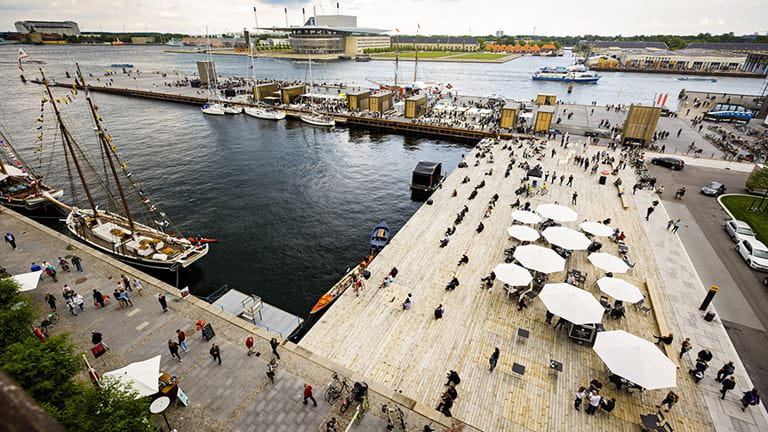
163 302
573 198
594 402
648 212
215 353
126 283
580 395
749 398
98 338
119 297
670 224
677 225
72 306
680 193
173 347
50 270
274 344
308 394
79 301
670 400
182 340
11 240
126 297
666 340
51 300
725 371
78 262
98 298
494 359
686 346
249 344
570 181
549 316
728 385
138 286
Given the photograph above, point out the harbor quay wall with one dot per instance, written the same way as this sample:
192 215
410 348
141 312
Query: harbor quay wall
298 361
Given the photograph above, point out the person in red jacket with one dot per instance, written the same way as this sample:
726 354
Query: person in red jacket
249 344
308 394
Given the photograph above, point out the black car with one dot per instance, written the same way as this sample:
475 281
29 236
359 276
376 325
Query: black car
669 162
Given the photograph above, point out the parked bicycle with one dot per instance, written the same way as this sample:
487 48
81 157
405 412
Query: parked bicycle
398 420
358 392
49 321
336 388
361 409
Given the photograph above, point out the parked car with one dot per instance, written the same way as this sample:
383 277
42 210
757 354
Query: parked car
669 162
738 230
713 188
755 253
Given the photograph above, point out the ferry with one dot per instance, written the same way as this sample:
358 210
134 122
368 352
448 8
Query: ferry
571 74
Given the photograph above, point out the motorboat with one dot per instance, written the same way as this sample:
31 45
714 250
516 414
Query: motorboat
379 237
213 108
697 79
571 74
265 113
20 187
317 119
231 109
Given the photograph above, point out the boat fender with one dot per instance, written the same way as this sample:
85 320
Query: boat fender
429 201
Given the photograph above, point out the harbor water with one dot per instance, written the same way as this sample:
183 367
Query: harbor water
293 205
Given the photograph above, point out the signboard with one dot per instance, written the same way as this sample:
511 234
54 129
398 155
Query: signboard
183 398
208 332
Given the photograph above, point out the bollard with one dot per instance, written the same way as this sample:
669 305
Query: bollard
708 299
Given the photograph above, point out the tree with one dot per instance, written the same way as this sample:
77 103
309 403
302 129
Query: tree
16 314
109 408
758 180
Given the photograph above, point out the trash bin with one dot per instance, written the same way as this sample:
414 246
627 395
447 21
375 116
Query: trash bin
709 316
602 179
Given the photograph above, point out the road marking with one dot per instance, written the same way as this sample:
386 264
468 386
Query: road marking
133 312
142 325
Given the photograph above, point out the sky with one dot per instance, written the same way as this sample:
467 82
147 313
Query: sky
475 17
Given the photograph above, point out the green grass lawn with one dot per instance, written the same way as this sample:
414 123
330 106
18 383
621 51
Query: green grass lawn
739 207
412 54
482 56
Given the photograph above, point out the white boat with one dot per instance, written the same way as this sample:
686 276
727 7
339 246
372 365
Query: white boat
317 119
265 113
20 187
232 109
571 74
212 108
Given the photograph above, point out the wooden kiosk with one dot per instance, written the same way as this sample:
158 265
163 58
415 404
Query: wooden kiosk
380 102
415 106
640 125
358 101
544 116
509 115
546 99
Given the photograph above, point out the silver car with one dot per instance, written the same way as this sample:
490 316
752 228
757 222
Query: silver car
738 230
713 188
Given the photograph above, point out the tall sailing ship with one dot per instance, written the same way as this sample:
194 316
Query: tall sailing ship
20 187
119 235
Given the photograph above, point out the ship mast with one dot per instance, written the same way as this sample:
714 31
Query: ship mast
107 152
68 144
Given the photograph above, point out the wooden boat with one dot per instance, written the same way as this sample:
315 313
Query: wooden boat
317 119
232 109
333 293
119 235
212 109
19 186
379 237
265 113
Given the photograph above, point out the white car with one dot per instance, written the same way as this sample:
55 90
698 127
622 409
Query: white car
755 253
738 230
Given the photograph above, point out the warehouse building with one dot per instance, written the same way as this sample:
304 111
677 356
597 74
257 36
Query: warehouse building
65 28
333 34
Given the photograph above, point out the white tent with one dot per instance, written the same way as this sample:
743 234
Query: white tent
608 262
620 289
596 229
557 212
539 259
523 233
526 217
566 238
27 281
636 360
141 376
512 274
574 304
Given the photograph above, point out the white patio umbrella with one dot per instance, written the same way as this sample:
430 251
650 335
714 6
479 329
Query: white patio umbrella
574 304
567 238
140 376
539 259
523 233
526 217
635 359
27 281
512 274
557 212
620 289
596 229
608 262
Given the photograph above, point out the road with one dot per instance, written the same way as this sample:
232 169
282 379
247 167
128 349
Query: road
742 302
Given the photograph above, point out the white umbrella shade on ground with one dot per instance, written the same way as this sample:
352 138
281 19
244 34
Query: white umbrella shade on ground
140 376
596 229
27 281
574 304
620 289
539 259
635 359
557 212
607 262
523 233
512 274
526 217
566 238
